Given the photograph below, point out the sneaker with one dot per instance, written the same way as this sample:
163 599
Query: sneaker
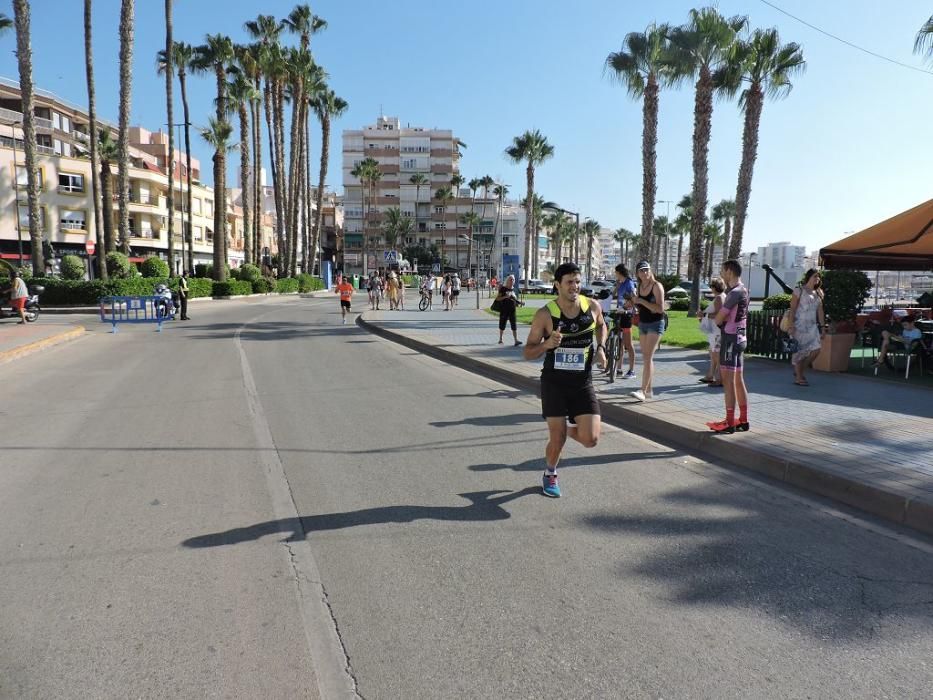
344 321
722 426
629 375
550 485
639 395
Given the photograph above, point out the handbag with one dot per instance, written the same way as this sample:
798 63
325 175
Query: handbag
790 345
495 306
787 322
707 325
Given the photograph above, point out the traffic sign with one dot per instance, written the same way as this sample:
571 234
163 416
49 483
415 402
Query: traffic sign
436 268
89 247
390 256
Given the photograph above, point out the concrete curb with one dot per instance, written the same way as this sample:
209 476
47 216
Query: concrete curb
43 344
884 504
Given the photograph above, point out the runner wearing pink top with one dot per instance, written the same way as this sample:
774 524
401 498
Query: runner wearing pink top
731 319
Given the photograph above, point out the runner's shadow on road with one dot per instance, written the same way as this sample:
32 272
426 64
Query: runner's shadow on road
491 394
537 464
484 506
491 421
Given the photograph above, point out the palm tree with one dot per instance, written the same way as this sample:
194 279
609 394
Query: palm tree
474 184
394 226
218 136
5 23
242 92
108 152
248 62
24 58
765 66
682 224
471 220
418 180
304 23
662 228
724 213
445 195
127 12
643 65
501 192
183 57
326 106
368 173
591 229
531 148
703 46
622 236
456 182
538 208
712 234
924 41
92 133
169 111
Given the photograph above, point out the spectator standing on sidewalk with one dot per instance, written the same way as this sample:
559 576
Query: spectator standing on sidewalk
445 292
712 331
649 300
625 307
806 311
18 295
183 295
454 289
731 320
508 303
401 293
493 286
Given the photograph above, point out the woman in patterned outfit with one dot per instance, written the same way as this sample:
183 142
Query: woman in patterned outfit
806 307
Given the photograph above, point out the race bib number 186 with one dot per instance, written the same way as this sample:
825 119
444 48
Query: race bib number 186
574 360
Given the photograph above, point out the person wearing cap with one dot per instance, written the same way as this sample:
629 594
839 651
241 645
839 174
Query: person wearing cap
563 331
731 320
649 300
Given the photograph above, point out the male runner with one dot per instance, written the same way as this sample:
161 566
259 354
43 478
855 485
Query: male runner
345 290
563 331
731 319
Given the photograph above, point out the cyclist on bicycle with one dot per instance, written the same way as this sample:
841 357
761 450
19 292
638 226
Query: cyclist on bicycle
623 314
427 290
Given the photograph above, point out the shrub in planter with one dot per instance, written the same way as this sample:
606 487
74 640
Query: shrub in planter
262 285
667 281
309 283
845 292
201 270
683 304
286 285
776 302
154 266
249 273
72 267
119 266
198 287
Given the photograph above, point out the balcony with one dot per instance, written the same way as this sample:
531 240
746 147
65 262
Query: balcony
141 233
80 136
45 150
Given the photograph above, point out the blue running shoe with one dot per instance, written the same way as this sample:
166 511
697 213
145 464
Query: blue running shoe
550 485
629 375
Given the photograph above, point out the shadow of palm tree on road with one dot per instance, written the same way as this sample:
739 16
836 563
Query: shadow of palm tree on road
485 506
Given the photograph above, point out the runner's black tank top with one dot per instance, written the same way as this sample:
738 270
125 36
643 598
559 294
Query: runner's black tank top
644 315
577 335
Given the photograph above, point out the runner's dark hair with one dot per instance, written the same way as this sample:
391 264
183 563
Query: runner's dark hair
567 268
622 270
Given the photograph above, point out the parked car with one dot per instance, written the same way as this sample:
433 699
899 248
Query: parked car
535 286
705 289
676 292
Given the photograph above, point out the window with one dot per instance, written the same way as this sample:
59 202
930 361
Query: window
73 220
198 233
196 206
70 182
505 241
21 176
24 217
438 210
409 164
440 226
208 207
409 240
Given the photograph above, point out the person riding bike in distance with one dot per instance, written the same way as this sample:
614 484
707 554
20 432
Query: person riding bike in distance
563 331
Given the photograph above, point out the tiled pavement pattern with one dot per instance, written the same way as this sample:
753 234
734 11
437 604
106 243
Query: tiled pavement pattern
879 434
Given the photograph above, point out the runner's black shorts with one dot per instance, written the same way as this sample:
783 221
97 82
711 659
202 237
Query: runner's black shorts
568 399
345 304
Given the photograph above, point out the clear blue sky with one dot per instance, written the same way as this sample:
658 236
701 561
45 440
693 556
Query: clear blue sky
849 147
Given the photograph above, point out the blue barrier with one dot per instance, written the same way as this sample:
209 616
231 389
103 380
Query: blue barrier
116 310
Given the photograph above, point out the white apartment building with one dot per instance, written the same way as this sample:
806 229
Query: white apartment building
610 254
782 255
403 152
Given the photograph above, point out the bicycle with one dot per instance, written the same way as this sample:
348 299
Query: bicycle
614 345
425 301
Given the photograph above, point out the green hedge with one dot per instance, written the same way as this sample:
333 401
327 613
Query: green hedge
263 285
776 302
286 285
683 304
154 266
119 266
72 267
61 292
309 283
232 288
249 273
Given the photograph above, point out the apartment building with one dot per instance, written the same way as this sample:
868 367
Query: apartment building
403 153
610 253
65 195
782 255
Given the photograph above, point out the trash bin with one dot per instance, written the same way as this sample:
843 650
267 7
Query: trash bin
356 282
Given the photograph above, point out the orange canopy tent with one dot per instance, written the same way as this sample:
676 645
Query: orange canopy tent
903 242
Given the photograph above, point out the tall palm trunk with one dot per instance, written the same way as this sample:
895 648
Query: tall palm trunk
284 255
753 106
188 235
245 181
127 9
322 174
294 182
92 130
702 122
529 214
726 238
309 209
169 110
24 58
649 156
220 185
106 193
220 269
269 97
680 250
258 194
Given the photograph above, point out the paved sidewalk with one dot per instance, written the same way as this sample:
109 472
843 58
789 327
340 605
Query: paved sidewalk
863 442
18 340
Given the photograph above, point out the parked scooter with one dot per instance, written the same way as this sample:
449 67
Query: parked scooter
31 309
166 303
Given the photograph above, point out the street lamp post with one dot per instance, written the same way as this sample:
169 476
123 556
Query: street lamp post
181 189
751 263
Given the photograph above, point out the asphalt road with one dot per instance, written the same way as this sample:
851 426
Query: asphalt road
264 503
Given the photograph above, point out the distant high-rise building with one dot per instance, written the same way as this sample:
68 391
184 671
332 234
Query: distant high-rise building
782 255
